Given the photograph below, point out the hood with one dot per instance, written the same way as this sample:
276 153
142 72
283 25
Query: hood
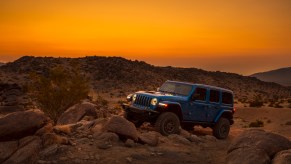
162 96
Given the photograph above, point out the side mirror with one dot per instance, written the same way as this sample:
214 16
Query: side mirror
195 96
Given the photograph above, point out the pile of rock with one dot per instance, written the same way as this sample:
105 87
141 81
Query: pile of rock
12 98
18 143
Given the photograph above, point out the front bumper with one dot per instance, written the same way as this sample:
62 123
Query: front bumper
141 114
134 109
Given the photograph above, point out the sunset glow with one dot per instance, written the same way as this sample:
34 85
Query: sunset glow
211 35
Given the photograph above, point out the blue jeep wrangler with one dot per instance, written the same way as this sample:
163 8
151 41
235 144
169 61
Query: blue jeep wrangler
183 104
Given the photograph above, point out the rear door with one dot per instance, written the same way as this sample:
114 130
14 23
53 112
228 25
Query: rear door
213 107
198 105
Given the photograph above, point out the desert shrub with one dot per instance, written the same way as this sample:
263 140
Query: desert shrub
59 90
257 102
271 104
278 105
257 123
102 101
269 121
288 123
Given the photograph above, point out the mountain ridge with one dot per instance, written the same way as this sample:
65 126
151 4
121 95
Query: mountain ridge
111 73
281 76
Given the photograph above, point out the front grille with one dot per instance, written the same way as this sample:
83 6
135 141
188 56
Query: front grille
142 101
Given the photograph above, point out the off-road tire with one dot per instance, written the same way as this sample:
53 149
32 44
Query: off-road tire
168 123
221 128
130 117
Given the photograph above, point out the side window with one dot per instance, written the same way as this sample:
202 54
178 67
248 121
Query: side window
200 94
214 96
226 98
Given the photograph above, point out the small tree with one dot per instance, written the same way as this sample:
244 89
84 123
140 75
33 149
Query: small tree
59 90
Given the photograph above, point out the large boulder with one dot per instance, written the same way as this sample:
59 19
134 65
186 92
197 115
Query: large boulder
20 124
7 149
248 156
27 151
77 112
121 127
283 157
256 144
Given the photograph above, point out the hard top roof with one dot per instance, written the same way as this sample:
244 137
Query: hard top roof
201 85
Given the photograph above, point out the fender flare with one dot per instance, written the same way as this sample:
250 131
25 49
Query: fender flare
172 107
223 112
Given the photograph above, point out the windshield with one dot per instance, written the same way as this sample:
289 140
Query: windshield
176 88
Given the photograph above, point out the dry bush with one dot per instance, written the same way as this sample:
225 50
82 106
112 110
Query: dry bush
278 105
257 102
59 90
103 102
257 123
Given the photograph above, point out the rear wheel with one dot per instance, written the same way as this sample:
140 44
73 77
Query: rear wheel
130 117
221 128
168 123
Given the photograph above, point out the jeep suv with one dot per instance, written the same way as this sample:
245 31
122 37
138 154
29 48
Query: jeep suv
183 104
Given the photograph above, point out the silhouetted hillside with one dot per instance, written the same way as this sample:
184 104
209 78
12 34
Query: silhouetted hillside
281 76
116 73
1 64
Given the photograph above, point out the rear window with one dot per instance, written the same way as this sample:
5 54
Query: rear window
226 98
214 96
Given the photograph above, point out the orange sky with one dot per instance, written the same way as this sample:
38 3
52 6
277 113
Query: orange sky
242 36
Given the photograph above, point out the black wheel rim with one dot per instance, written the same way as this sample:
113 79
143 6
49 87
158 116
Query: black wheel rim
169 126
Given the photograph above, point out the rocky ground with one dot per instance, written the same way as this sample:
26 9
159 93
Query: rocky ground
86 137
87 133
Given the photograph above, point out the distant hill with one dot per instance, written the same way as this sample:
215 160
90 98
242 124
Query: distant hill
116 73
281 76
1 64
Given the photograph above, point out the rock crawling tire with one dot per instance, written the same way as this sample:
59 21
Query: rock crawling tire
221 128
168 123
130 117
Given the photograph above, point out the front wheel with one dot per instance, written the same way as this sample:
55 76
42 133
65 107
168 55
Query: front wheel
221 128
168 123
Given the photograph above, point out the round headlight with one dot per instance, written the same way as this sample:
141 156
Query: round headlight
129 97
154 101
134 97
